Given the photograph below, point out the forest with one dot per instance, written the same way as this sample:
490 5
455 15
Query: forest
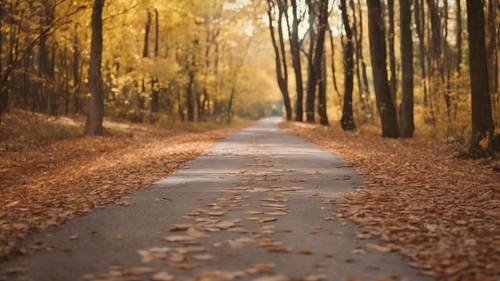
264 140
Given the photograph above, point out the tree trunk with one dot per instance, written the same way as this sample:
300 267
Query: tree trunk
366 88
482 121
406 44
378 53
288 105
279 59
147 29
322 106
297 64
347 120
311 79
419 26
76 71
493 6
392 53
190 97
332 62
94 122
458 43
155 83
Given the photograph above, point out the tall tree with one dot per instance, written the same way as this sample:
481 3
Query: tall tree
295 45
94 122
155 83
458 43
347 120
280 54
482 121
320 61
419 20
406 111
311 79
492 45
322 93
378 53
392 53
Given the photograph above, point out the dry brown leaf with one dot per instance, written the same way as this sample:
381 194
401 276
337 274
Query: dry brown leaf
378 248
193 232
178 238
281 249
180 227
162 276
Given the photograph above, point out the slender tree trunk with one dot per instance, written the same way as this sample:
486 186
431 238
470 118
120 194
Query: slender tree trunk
332 62
482 121
288 105
94 123
406 44
458 44
420 27
297 64
492 47
155 83
322 106
76 71
190 97
311 76
392 53
147 30
378 53
347 120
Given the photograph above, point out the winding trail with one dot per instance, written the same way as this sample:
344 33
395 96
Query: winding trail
260 203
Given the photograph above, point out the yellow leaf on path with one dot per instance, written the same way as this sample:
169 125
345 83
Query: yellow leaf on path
193 232
281 249
273 278
378 248
140 270
204 257
12 204
162 276
178 238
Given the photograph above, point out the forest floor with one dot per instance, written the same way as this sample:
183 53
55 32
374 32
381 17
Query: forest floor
50 173
441 211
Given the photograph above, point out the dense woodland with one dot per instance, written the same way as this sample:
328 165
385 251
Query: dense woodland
429 66
144 61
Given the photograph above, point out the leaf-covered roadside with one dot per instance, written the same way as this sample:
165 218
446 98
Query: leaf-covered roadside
45 183
441 211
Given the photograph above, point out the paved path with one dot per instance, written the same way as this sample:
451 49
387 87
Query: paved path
265 200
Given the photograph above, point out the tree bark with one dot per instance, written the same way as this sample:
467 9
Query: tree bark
482 121
347 120
458 43
406 44
190 97
147 30
297 64
492 47
378 53
94 122
332 62
322 93
155 83
311 79
392 53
